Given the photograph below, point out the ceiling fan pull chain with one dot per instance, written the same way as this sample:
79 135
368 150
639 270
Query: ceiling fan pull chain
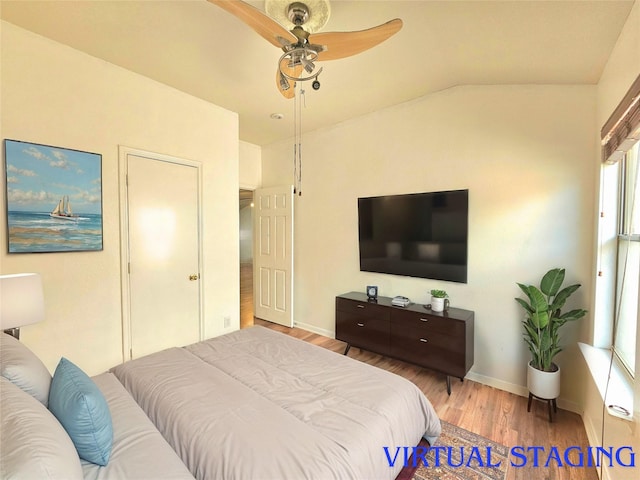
295 169
296 139
300 169
303 101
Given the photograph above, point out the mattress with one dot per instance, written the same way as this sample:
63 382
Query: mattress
260 404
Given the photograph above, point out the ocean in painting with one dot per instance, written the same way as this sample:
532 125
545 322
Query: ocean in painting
39 232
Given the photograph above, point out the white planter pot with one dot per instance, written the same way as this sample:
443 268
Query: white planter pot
544 385
438 304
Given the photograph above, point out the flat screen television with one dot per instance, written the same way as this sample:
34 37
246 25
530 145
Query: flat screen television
421 235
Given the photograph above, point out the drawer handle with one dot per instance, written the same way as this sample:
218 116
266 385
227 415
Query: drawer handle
360 324
360 306
423 340
424 319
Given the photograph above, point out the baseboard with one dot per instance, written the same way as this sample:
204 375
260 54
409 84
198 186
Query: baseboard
593 436
499 384
313 329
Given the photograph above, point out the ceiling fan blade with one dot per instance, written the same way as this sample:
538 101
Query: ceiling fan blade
294 72
263 25
346 44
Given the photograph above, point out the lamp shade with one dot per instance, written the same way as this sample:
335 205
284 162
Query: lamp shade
21 300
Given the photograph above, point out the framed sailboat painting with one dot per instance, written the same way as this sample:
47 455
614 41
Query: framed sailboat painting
54 198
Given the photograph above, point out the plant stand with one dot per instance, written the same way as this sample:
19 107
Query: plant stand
551 402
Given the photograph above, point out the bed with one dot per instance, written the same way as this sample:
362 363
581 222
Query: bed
252 404
260 404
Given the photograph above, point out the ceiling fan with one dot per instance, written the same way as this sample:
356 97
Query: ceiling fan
292 26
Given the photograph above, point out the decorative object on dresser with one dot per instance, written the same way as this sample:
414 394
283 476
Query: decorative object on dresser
439 300
21 301
372 293
441 341
543 319
400 301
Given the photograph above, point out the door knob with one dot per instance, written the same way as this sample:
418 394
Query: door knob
194 277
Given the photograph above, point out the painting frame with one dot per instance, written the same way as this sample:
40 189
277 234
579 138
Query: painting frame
53 198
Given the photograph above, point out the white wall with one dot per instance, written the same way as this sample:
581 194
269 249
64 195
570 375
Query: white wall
524 153
250 166
623 67
55 95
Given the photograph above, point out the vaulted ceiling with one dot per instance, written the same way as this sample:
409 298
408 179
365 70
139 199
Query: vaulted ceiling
196 47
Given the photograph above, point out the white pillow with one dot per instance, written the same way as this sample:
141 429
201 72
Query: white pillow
34 444
23 368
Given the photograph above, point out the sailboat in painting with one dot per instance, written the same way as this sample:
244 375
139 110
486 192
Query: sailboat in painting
63 210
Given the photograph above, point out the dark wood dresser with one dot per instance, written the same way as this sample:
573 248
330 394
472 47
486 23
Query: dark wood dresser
441 341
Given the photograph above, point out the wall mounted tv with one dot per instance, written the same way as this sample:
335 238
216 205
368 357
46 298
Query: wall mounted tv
421 235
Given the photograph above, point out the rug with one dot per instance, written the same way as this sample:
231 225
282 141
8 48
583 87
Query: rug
463 455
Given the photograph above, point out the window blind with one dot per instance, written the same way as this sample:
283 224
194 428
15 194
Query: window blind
622 130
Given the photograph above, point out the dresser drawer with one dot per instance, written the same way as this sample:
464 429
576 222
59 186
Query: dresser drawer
361 308
429 354
370 333
425 335
407 319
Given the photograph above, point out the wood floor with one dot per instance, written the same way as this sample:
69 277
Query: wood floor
246 294
492 413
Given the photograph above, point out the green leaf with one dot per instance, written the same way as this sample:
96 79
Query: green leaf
532 332
573 315
538 300
525 289
561 297
525 305
540 319
551 282
539 313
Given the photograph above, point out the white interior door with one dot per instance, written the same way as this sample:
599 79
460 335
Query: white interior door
163 253
273 259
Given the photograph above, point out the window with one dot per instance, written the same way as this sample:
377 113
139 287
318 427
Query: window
617 297
628 260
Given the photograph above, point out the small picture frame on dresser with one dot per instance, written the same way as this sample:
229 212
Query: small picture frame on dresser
372 293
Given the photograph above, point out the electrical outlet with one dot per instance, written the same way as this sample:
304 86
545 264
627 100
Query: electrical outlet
227 321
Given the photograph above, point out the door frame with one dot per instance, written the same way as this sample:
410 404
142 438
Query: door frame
252 189
125 253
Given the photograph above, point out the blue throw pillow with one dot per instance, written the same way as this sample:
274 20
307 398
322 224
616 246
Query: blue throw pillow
82 410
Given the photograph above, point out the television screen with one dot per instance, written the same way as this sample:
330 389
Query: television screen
417 235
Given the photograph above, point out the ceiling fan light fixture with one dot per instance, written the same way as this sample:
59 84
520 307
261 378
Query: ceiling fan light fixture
307 65
314 14
284 83
300 56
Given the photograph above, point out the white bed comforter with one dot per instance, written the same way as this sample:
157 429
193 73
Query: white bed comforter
258 404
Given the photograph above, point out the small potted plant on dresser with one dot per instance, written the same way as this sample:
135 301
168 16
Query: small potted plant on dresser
543 319
439 302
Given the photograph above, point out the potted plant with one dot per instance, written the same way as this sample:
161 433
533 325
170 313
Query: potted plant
543 319
439 300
